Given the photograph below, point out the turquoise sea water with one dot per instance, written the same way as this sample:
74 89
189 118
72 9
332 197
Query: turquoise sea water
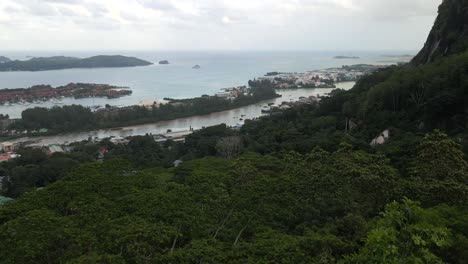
178 79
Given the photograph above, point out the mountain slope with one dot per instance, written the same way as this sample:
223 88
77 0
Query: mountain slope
449 34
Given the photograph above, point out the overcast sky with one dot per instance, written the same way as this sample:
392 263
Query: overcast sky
215 24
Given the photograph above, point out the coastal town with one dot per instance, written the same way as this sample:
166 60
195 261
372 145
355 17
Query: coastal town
41 93
326 78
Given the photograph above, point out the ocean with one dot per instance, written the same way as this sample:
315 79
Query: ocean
219 69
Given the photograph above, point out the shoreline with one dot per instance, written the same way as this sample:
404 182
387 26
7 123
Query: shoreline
228 116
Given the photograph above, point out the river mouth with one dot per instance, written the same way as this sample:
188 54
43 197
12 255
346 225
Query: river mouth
231 117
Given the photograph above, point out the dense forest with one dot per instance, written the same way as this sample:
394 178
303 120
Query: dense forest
303 186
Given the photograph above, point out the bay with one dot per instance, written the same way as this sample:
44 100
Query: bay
219 69
230 117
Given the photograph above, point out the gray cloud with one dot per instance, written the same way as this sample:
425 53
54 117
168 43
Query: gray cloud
221 24
162 5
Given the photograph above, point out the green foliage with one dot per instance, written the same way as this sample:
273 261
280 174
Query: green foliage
406 233
58 119
439 158
35 169
308 189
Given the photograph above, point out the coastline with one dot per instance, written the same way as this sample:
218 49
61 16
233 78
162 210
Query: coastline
229 117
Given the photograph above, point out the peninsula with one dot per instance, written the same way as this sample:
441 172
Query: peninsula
47 92
62 62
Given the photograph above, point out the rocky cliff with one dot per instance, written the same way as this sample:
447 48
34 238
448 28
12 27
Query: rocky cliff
449 34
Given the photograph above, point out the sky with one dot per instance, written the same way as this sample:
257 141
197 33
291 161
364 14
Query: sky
215 24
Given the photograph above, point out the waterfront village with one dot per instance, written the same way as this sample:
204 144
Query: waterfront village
326 78
311 79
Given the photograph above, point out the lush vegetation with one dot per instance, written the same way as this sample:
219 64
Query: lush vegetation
61 62
79 118
320 207
303 186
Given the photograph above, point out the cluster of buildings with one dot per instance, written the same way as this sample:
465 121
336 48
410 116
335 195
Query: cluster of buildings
232 93
178 136
295 79
320 78
273 109
8 150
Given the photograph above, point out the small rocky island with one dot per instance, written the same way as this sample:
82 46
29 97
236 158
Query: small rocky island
164 62
46 92
196 67
62 62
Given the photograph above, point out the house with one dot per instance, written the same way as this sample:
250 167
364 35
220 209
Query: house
8 146
178 136
55 149
160 138
7 157
4 158
284 107
101 152
119 140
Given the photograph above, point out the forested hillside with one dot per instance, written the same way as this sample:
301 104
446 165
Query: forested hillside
303 186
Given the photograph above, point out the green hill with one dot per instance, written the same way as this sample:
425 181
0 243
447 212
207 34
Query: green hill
302 186
62 62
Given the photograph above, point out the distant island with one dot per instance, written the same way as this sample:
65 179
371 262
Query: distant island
346 57
47 92
4 59
164 62
62 62
398 56
196 67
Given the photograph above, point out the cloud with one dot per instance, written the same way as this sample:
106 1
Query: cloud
162 5
219 24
